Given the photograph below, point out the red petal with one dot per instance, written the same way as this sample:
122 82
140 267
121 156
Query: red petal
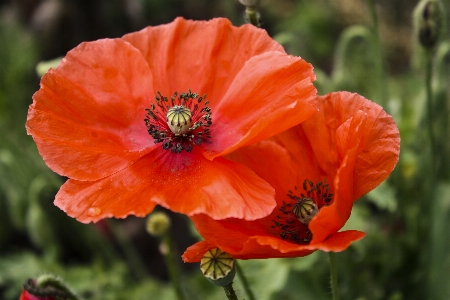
87 118
378 138
114 196
273 163
260 247
340 241
25 295
359 135
271 247
204 56
186 183
271 93
196 252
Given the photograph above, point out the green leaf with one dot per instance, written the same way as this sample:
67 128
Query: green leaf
383 197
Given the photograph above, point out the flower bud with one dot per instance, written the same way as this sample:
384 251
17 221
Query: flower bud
25 295
428 16
250 2
158 224
218 267
46 287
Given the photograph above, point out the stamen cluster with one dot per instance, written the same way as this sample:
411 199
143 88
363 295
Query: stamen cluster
179 123
297 213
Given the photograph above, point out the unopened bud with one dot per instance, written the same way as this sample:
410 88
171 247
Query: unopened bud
47 287
253 3
428 19
158 224
218 267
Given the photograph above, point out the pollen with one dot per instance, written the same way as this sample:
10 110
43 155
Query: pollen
179 122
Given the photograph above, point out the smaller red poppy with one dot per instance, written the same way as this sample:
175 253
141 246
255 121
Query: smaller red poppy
318 169
31 292
25 295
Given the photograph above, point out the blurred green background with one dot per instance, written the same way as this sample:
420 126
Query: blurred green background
369 47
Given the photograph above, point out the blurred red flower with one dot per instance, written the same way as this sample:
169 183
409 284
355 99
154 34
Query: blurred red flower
25 295
318 169
87 119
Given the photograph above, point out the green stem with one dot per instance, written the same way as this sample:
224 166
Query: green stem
244 281
229 292
172 267
379 56
334 281
253 16
428 73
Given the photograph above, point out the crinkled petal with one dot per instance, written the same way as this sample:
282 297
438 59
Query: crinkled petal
359 133
84 119
187 183
331 218
339 241
195 252
271 93
115 196
204 56
272 162
271 247
378 139
260 247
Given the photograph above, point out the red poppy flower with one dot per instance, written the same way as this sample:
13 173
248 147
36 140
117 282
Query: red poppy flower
25 295
31 292
318 169
96 119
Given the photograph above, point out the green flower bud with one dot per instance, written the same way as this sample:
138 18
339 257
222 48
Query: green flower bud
158 224
218 267
428 21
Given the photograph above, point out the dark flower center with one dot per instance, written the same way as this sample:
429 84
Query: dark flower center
179 123
298 211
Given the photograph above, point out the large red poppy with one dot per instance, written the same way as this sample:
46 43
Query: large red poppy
87 119
321 166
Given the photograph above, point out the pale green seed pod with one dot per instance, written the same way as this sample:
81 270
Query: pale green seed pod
179 119
218 267
305 210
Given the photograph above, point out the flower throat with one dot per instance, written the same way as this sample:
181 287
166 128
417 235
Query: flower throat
296 213
179 123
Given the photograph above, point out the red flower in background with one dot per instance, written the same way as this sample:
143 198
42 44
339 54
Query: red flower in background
25 295
318 169
87 119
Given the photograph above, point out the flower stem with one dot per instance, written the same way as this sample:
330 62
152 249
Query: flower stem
172 266
244 281
253 16
229 292
132 256
334 281
428 73
379 56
